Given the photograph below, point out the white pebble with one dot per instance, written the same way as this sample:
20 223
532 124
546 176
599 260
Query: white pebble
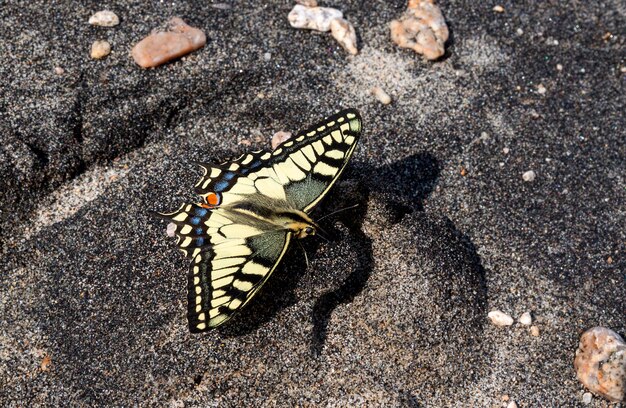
59 70
541 89
520 31
344 33
100 49
267 56
534 330
529 176
498 9
313 18
526 319
104 18
559 67
506 150
171 229
381 95
279 138
499 318
512 404
587 398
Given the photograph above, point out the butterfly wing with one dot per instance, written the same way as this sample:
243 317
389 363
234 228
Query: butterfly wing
232 256
300 171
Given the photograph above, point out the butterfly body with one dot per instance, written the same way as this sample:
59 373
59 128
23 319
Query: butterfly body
252 207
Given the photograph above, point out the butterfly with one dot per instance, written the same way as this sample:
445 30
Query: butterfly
251 209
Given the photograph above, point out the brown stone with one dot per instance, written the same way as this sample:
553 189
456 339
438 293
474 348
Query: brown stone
161 47
601 363
421 28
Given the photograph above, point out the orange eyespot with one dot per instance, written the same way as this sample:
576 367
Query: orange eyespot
213 199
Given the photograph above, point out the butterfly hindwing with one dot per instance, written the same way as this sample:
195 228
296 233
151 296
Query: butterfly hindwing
232 256
221 281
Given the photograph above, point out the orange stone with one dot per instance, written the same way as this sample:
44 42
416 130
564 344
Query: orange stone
161 47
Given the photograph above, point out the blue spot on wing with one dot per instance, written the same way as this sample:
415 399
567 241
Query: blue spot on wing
220 185
199 231
201 212
199 241
255 164
228 176
195 220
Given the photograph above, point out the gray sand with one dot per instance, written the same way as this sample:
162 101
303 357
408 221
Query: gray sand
392 310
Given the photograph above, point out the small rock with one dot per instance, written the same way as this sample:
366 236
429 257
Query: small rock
601 363
344 33
307 3
381 95
587 398
104 18
267 56
45 363
541 89
529 176
498 9
526 319
100 49
279 138
499 318
506 150
534 331
170 229
161 47
313 18
59 70
421 28
559 67
519 31
512 404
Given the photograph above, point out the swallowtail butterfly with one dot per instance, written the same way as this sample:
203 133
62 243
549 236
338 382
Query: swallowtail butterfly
251 209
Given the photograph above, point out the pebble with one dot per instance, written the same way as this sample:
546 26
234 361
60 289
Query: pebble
506 150
163 46
59 70
541 89
313 18
529 176
498 9
526 319
512 404
344 33
170 229
382 96
587 398
279 138
421 28
559 67
104 18
267 56
534 331
499 318
100 49
601 363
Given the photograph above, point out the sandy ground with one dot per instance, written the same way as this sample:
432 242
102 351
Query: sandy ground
392 310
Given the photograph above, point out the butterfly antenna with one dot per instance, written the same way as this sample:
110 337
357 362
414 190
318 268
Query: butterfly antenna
338 211
321 232
306 257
